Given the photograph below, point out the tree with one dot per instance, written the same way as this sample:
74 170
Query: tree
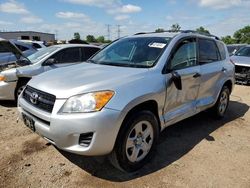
101 39
77 36
90 38
159 30
228 40
175 27
243 35
202 30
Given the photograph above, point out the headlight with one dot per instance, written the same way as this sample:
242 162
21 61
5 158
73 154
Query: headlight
89 102
2 78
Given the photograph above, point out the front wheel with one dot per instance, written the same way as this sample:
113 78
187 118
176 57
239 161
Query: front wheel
221 105
136 141
19 88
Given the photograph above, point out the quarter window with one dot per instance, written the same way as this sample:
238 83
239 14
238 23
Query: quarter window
208 51
185 55
222 50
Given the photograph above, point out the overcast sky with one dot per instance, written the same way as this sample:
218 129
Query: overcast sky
220 17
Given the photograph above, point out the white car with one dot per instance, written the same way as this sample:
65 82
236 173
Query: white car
36 44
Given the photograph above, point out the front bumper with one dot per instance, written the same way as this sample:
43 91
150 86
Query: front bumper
63 130
7 90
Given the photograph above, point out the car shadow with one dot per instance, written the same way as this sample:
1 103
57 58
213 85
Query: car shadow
8 104
174 142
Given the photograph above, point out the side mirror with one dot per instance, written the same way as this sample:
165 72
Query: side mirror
23 62
176 78
49 62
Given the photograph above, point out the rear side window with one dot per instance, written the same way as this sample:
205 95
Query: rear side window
222 51
208 51
88 52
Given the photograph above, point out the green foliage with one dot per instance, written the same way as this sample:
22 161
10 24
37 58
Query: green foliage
202 30
77 36
228 40
159 30
175 27
243 35
90 38
101 39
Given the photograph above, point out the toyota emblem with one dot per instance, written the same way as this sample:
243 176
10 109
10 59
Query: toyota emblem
34 98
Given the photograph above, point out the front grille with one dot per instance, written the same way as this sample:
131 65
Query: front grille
39 99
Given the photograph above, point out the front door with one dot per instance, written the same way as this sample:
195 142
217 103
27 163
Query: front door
182 103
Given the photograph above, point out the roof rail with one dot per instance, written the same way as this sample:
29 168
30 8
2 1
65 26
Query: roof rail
201 33
181 31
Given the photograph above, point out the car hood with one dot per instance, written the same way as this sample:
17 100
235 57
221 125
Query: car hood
241 60
85 77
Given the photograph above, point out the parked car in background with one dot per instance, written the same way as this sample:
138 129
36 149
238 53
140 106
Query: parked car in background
11 56
241 60
36 44
26 48
13 80
124 96
233 48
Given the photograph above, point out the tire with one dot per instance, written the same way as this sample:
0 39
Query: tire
220 107
19 88
136 142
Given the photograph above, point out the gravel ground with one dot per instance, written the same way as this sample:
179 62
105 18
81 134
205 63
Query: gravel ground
197 152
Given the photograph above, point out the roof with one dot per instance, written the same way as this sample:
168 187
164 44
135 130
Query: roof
75 45
26 32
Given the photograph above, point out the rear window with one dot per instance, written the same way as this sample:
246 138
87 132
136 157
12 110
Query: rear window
208 51
222 50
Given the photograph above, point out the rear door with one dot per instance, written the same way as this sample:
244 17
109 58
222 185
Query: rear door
211 72
182 103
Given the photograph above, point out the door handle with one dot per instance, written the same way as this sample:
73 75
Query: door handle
223 69
196 75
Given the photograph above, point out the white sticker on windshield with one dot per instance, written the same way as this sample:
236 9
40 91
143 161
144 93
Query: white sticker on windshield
157 45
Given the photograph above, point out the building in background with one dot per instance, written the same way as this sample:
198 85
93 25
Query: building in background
28 35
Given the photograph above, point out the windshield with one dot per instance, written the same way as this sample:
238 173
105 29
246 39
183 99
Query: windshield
34 58
132 52
245 51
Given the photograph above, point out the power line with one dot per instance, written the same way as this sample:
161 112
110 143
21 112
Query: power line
118 31
108 31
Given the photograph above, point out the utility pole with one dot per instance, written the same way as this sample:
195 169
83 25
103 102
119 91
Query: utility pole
108 30
118 31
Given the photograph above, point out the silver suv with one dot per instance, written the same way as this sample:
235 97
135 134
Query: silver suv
123 97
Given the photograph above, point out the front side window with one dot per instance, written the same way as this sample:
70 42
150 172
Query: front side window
185 55
132 52
69 55
208 51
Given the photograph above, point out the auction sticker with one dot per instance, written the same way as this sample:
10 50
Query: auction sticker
157 45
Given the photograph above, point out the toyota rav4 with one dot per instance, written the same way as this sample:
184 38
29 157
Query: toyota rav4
124 96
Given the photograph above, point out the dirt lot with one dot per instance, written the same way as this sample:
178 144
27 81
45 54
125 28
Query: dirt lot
198 152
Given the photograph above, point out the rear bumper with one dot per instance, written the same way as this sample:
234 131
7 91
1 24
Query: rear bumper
7 90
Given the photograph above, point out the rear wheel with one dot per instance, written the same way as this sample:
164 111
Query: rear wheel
136 141
221 105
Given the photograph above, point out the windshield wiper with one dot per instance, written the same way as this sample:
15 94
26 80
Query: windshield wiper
123 65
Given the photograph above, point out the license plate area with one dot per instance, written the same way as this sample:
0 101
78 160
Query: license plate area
29 122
